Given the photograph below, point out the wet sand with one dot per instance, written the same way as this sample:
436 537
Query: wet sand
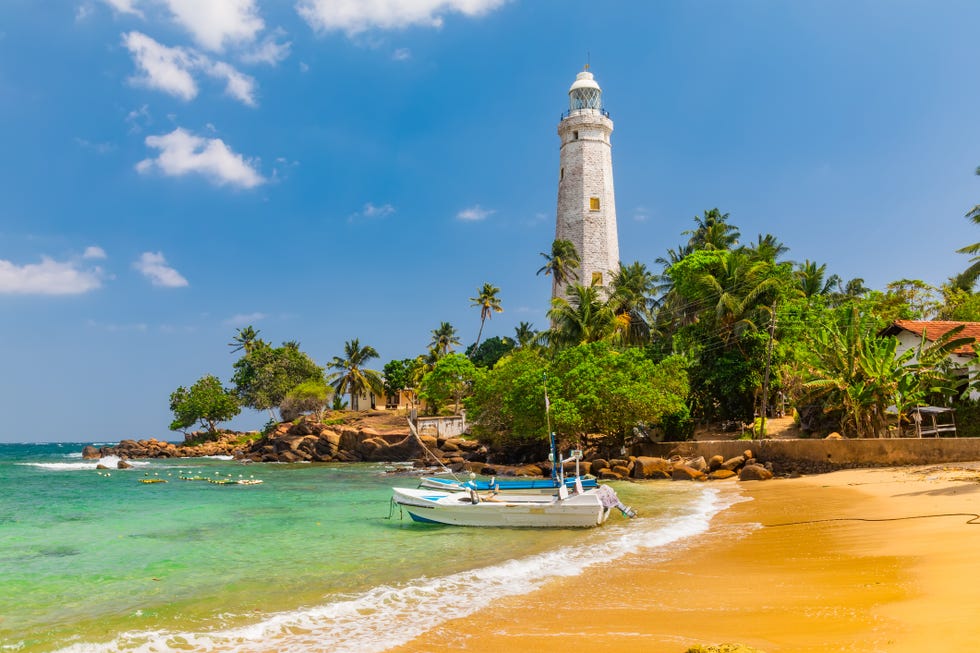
837 582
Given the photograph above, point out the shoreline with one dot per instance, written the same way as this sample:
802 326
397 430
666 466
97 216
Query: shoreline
853 560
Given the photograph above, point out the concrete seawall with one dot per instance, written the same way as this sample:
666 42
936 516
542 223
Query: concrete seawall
856 452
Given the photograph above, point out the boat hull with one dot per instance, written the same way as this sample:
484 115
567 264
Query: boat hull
529 485
512 510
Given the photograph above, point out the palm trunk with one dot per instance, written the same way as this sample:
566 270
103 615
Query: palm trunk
479 334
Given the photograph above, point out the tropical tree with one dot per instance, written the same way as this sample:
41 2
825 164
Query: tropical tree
451 378
351 377
488 303
967 279
264 376
246 340
490 351
583 317
525 335
443 340
812 279
562 263
206 402
308 397
632 287
712 232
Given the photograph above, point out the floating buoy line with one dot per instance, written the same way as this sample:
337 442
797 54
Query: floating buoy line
217 479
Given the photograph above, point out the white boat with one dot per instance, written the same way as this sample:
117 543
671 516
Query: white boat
471 508
524 485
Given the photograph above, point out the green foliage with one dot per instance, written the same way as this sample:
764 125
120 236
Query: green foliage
678 426
450 380
351 377
307 397
264 376
490 351
397 375
593 388
488 303
206 402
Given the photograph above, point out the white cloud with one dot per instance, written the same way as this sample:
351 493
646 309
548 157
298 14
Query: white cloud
171 69
165 69
641 214
83 11
401 54
474 214
153 266
214 24
183 153
98 148
49 277
124 7
94 252
355 16
238 85
269 51
244 319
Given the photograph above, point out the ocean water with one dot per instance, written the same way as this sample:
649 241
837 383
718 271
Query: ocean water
312 559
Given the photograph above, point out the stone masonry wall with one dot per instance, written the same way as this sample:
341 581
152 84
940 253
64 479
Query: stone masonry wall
585 171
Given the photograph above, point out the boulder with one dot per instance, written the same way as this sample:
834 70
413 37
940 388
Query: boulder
622 470
684 473
721 474
101 466
697 463
715 463
733 464
748 454
449 446
122 464
599 464
754 473
528 470
610 475
834 436
649 467
91 453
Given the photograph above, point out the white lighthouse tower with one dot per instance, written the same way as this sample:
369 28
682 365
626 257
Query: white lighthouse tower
586 199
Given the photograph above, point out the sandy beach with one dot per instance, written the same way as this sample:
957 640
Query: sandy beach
857 560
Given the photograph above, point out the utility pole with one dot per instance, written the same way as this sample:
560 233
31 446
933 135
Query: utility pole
765 376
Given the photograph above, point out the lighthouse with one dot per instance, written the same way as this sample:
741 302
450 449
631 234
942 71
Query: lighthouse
586 200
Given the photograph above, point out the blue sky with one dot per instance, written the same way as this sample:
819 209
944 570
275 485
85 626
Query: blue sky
172 170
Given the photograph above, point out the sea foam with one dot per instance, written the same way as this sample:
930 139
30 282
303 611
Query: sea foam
364 623
108 461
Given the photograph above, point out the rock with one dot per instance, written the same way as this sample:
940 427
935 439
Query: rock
754 473
91 453
622 470
101 466
122 464
449 446
684 473
748 454
721 474
528 470
697 463
609 475
733 464
598 464
723 648
649 467
834 436
715 463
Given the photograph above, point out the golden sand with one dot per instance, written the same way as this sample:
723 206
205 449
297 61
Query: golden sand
834 583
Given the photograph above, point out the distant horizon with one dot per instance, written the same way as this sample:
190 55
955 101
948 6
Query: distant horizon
170 176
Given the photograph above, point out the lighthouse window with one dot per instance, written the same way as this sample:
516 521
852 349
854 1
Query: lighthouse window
561 174
597 278
593 203
575 136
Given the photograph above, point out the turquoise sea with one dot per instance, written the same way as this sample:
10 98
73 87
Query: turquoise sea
312 559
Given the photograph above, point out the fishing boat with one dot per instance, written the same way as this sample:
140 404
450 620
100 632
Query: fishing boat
577 507
494 484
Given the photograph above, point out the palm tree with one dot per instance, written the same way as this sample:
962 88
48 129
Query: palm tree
965 280
767 248
713 231
525 335
245 339
812 280
489 304
581 318
562 264
632 287
351 377
443 340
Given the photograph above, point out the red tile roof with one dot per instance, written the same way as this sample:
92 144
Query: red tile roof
935 329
